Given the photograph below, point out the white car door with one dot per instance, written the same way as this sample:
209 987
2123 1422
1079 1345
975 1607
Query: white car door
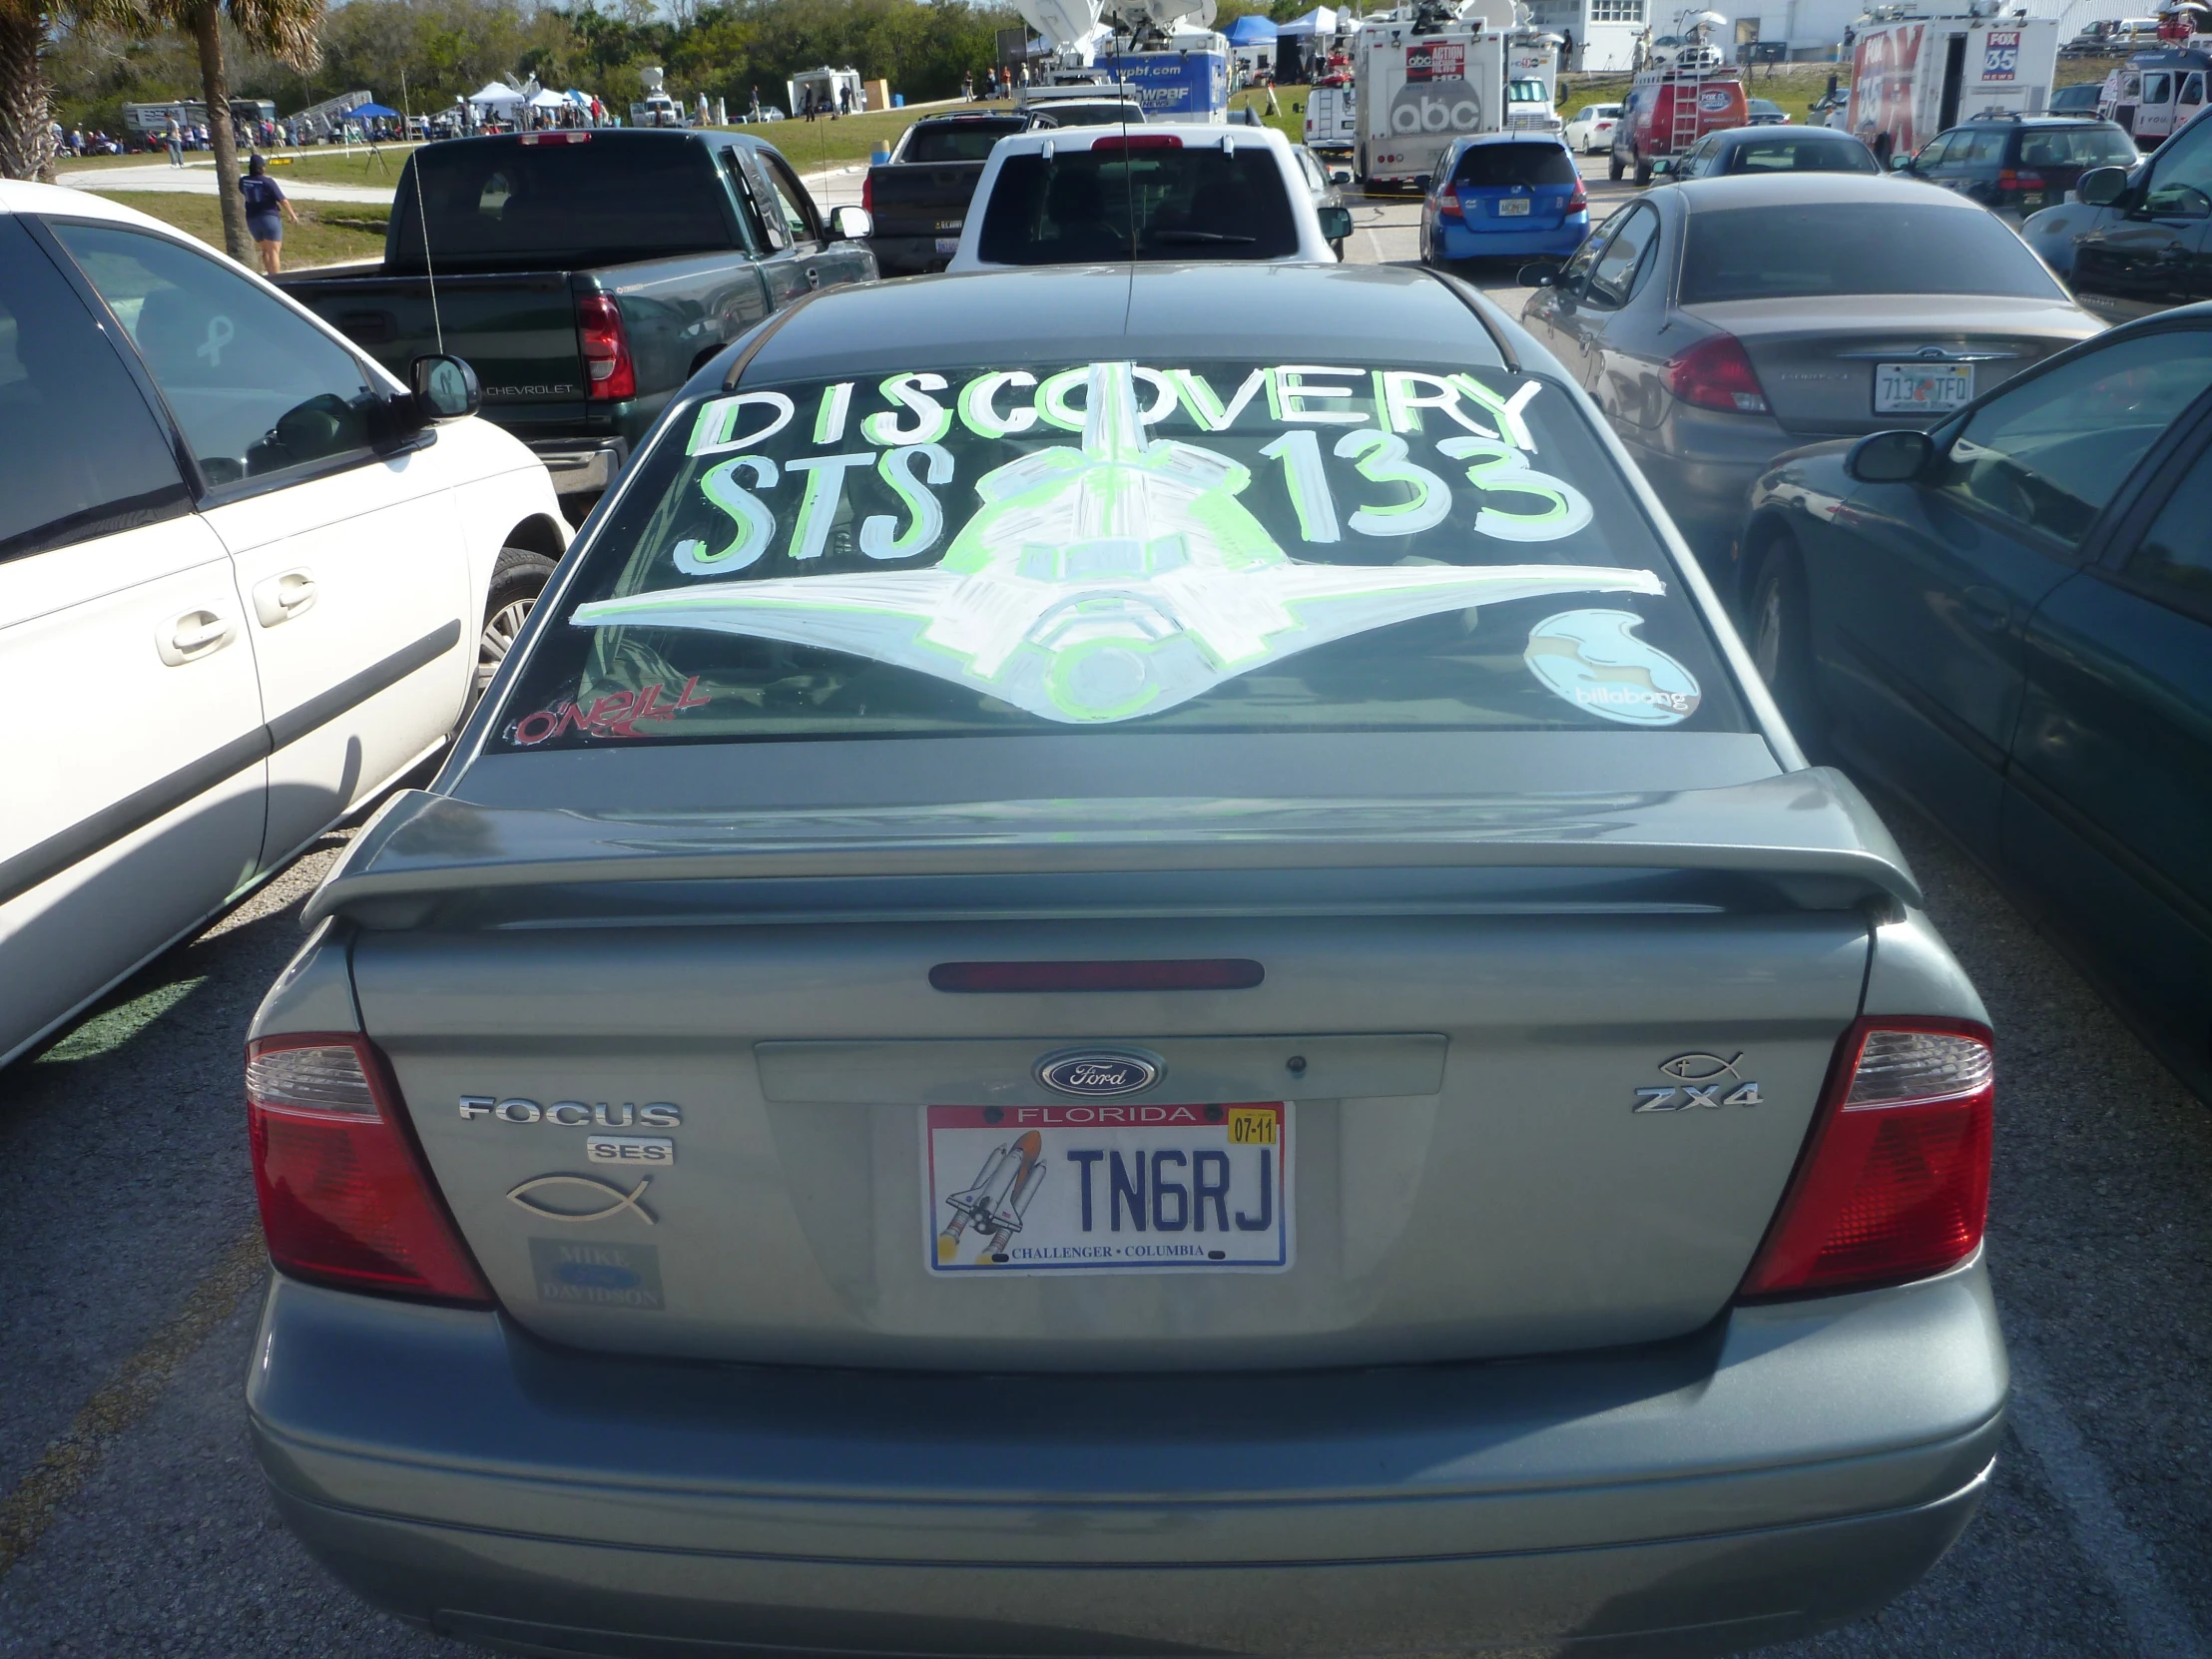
133 770
351 560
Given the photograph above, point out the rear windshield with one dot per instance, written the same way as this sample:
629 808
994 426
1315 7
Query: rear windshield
1789 252
498 202
2103 145
1503 165
1083 206
1123 114
1211 547
965 141
1801 153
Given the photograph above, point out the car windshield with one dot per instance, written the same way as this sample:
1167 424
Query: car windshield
1112 114
1211 546
1763 106
516 205
1793 251
1501 166
1802 153
1527 92
962 141
1224 200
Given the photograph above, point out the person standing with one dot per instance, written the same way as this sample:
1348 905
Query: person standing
174 136
265 209
967 85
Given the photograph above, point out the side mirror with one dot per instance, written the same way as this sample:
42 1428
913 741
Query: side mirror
1900 164
445 388
1335 224
1538 276
2100 187
1890 457
1661 164
851 224
1340 176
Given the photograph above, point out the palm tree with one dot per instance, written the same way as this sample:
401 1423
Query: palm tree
288 30
26 137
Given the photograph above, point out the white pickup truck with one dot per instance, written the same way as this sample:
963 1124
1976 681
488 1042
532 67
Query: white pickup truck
1104 195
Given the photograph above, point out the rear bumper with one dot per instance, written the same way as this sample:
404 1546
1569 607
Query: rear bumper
581 465
1790 1468
1459 243
909 255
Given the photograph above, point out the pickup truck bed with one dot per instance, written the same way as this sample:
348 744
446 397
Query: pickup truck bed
920 198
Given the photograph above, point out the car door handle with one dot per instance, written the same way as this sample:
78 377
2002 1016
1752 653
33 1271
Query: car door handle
813 277
193 635
281 598
1986 609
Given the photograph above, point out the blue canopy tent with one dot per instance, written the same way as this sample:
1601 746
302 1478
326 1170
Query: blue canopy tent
1251 30
371 112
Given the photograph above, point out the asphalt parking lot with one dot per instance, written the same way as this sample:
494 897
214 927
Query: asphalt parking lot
132 1520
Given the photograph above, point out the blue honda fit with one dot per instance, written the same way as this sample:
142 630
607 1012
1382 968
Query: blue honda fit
1504 194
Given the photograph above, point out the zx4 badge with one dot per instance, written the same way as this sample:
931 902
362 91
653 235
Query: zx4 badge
1705 1080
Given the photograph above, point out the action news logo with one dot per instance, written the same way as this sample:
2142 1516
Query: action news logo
1436 97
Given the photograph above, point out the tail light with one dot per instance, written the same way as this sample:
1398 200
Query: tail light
607 361
345 1199
867 192
1136 141
2008 178
1895 1181
1579 202
1448 204
572 135
1716 373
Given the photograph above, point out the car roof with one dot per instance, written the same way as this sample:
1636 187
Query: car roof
1194 313
1791 189
1479 139
1767 135
1082 138
25 197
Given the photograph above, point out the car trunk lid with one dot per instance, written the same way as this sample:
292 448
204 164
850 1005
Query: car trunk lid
1511 1076
1821 374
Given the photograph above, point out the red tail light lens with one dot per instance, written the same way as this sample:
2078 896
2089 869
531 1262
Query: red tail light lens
573 135
606 347
1716 373
1579 202
345 1200
1448 204
867 192
1895 1182
2008 178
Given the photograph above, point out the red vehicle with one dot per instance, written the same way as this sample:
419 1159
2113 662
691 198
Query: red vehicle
1669 110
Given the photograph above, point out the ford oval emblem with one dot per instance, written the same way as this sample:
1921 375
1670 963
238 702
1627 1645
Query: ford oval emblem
1096 1075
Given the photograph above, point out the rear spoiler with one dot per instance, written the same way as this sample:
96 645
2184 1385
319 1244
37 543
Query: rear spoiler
1809 833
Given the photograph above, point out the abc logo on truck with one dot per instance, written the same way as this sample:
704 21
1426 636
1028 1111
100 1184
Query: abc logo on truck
1436 97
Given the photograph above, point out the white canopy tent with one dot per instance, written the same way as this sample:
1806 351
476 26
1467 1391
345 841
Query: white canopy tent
1320 21
496 95
551 100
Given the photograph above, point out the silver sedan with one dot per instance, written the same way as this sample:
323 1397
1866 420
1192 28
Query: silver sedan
1720 322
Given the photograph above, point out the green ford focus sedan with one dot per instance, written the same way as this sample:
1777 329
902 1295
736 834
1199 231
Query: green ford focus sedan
1127 965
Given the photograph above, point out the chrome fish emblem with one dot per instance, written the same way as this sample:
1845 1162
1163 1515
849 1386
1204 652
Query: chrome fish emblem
1700 1068
523 1195
1103 581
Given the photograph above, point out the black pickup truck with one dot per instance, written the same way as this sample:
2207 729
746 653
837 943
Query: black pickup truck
585 274
920 198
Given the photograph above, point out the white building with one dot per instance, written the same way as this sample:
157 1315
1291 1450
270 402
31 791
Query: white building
1605 31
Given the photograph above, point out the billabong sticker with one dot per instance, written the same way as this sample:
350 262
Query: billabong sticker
1121 576
1593 660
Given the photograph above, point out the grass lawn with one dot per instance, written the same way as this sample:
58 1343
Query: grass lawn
329 232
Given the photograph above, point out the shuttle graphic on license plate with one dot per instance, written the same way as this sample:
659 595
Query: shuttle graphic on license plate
1108 1188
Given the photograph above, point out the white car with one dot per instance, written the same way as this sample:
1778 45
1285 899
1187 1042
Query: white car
246 579
1109 195
1591 131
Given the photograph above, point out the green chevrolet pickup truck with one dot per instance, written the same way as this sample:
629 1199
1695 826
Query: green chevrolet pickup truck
586 275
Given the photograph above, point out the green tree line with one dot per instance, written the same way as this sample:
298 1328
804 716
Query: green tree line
430 52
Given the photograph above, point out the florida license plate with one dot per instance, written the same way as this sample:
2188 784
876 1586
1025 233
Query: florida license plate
1921 388
1106 1188
948 245
1512 207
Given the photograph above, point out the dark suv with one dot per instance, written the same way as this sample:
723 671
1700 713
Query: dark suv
2018 164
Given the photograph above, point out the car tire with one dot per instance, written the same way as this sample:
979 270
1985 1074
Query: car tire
516 581
1779 635
1643 172
1613 168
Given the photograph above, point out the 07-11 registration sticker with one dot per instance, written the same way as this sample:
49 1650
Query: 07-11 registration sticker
1109 1187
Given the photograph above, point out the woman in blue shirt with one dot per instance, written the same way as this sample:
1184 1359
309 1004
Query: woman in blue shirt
265 208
